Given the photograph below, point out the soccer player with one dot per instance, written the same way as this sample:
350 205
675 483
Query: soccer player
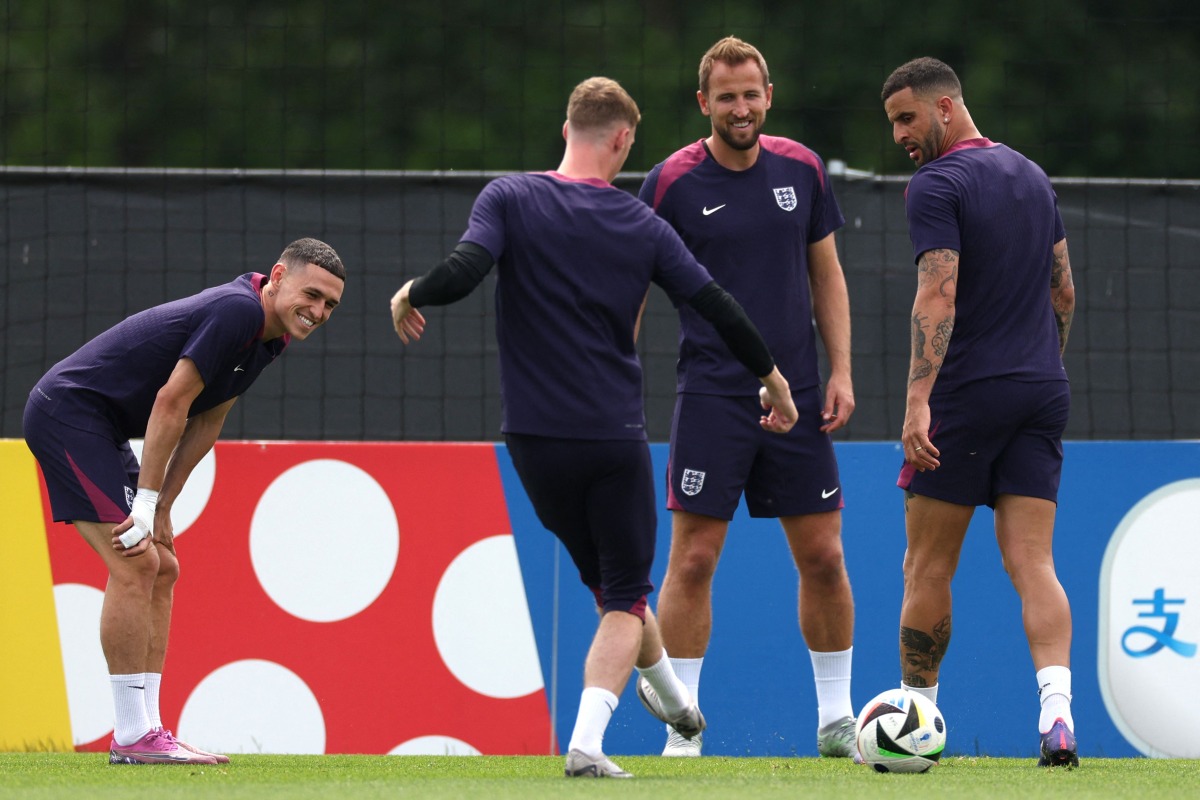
169 374
988 397
576 257
760 213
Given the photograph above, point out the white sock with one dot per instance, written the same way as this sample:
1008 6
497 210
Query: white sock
688 671
1054 689
129 702
928 691
671 691
596 707
831 673
153 682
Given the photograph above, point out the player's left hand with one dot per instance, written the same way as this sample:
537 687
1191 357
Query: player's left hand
408 322
839 403
164 531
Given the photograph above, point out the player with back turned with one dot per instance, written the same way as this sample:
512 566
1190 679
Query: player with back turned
575 258
988 397
169 374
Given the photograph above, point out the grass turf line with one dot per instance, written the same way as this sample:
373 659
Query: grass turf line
272 777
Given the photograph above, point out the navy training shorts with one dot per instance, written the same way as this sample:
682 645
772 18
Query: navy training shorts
719 451
995 436
597 497
89 477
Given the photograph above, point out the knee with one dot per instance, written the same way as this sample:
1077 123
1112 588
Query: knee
138 573
826 563
168 569
693 565
1026 566
927 569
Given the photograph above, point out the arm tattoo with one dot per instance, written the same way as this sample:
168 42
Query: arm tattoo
922 653
941 338
1062 295
922 367
938 267
938 270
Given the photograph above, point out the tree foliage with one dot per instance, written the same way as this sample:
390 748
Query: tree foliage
1085 87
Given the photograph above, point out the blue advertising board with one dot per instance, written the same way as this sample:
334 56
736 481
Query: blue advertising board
757 688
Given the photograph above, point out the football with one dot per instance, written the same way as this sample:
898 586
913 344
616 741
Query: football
901 731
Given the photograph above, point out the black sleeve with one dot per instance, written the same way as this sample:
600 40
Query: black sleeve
742 338
453 279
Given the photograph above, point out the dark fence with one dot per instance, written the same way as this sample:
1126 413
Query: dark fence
85 248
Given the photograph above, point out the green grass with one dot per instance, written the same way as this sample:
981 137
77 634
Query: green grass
264 777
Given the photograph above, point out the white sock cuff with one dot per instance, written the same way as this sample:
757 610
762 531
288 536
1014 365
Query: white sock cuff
656 666
688 670
1054 680
600 693
931 692
831 666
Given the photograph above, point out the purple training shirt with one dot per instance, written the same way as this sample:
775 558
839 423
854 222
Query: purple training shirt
751 229
110 384
575 260
997 209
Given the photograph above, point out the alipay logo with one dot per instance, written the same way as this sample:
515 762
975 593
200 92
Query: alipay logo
1149 621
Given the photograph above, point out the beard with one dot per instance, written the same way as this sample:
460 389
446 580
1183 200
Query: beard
726 132
928 147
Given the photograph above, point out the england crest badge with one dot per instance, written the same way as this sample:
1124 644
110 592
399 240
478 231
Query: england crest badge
692 483
786 198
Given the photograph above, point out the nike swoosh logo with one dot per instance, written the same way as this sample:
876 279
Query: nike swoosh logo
239 369
708 210
826 495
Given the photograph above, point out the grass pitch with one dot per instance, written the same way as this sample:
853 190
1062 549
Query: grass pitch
271 777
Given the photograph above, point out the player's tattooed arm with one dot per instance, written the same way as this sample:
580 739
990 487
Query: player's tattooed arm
1062 293
922 652
933 312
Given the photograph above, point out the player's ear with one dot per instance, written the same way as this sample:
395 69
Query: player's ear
566 127
703 101
623 136
277 272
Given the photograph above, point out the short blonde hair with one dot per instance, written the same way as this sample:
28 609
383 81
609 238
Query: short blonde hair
731 51
597 103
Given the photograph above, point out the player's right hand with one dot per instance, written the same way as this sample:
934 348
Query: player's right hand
139 539
408 322
139 527
776 397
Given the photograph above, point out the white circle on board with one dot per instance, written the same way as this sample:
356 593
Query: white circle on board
1149 642
195 493
253 706
434 746
481 622
89 691
324 540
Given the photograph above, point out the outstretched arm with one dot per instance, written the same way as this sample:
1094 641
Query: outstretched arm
743 339
451 280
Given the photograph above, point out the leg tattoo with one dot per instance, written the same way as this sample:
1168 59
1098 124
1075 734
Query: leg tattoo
922 653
